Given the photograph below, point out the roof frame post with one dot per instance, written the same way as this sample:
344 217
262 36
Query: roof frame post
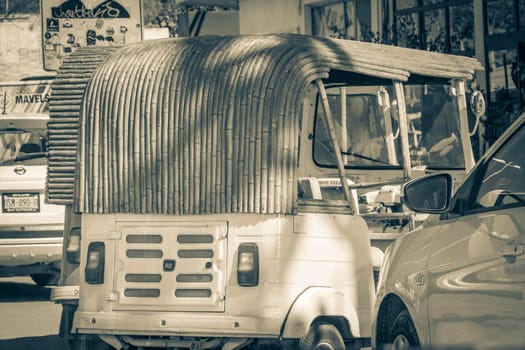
330 126
384 102
403 128
460 95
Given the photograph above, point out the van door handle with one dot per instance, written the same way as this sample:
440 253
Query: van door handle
511 251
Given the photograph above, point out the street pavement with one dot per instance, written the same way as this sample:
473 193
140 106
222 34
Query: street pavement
28 320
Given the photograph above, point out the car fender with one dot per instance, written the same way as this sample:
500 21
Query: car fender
316 302
404 276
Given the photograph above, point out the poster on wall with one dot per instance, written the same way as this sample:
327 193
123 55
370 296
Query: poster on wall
68 25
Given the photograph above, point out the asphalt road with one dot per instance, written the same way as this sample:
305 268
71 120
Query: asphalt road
28 320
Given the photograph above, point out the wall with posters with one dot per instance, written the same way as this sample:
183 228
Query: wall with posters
20 54
71 24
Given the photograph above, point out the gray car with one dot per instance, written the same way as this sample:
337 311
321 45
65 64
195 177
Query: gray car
458 281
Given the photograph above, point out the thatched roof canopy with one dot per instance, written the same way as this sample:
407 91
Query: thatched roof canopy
211 124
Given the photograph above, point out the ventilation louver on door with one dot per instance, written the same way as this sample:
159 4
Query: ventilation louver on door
171 266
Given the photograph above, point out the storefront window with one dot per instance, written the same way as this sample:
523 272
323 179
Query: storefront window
435 34
348 19
501 16
504 94
353 25
405 4
363 15
436 25
501 69
522 14
329 21
407 27
505 45
462 28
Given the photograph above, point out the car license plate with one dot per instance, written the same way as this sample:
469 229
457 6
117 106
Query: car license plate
20 202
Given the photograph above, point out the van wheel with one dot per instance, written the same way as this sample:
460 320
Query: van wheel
45 279
87 342
322 337
402 334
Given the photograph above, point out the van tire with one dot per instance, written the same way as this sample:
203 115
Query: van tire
322 336
45 279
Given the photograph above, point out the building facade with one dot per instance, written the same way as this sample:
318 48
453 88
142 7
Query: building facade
491 30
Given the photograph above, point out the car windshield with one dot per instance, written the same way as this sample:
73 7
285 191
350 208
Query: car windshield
24 146
367 127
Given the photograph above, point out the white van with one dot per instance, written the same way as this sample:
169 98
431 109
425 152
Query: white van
216 184
31 231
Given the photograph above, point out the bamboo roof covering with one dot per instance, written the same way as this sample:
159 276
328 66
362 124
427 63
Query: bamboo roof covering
65 100
207 124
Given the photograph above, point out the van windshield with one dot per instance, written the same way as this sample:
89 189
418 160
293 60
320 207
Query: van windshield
367 127
363 122
25 146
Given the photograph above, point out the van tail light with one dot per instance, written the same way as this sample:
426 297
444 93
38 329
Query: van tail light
95 263
248 265
73 247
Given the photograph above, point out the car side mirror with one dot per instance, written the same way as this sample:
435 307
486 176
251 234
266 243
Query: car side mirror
429 194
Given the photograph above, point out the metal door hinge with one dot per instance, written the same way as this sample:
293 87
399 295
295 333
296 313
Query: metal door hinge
113 296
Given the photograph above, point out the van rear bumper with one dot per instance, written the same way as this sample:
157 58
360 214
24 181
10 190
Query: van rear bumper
30 250
171 324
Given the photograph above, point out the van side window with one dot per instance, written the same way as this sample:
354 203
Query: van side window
503 182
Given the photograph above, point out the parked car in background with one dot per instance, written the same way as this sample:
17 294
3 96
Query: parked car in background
31 231
458 281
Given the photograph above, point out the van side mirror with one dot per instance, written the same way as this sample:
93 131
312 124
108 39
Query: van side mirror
429 194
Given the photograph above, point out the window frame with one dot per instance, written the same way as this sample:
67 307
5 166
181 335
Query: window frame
357 34
420 10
